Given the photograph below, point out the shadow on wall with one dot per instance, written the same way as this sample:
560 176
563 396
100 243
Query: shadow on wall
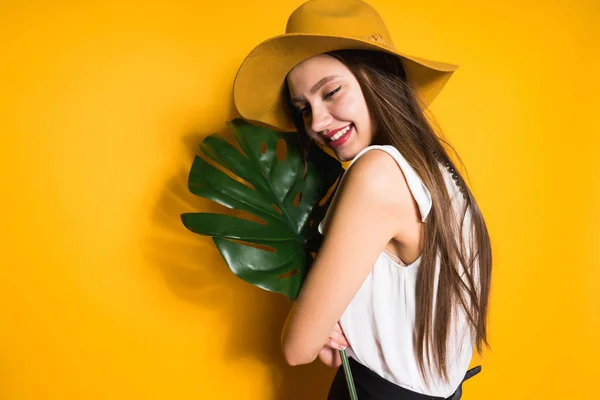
255 316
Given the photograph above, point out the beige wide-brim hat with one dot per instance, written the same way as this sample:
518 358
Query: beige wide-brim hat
316 27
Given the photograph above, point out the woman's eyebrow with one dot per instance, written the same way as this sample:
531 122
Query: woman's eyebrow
316 87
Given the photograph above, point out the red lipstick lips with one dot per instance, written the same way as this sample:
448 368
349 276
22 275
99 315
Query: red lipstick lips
333 132
342 139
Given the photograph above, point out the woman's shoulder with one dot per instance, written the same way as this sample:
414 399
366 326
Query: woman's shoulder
376 168
374 188
374 176
388 158
385 168
384 149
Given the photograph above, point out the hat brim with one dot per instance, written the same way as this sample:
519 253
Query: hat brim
259 82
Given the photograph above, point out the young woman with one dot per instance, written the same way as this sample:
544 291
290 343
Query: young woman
403 275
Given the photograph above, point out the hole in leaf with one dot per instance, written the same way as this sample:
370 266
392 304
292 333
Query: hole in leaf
310 222
215 206
330 191
228 136
277 209
288 274
263 148
281 150
297 199
227 172
219 208
243 214
313 255
255 245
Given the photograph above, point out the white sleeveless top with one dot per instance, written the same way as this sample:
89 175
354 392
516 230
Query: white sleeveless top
380 320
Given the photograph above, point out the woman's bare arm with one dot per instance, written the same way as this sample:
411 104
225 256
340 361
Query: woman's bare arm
372 203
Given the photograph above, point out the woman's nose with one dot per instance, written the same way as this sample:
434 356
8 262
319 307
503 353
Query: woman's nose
320 119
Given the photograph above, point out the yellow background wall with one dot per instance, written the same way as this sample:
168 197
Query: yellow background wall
103 293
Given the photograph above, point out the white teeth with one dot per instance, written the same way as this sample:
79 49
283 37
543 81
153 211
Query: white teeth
339 134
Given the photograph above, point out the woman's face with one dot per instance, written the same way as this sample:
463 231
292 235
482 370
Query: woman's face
332 105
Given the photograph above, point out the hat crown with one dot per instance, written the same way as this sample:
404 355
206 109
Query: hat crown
318 27
346 18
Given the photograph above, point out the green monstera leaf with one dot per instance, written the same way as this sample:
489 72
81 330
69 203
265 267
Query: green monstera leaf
275 254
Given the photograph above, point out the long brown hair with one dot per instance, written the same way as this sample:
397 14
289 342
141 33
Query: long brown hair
401 122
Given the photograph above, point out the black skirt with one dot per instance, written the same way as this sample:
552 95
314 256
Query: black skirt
370 386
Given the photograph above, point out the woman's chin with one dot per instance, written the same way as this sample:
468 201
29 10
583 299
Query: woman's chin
345 154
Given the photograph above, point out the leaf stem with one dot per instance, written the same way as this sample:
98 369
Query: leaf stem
348 373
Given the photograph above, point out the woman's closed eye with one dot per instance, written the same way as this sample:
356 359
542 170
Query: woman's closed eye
328 95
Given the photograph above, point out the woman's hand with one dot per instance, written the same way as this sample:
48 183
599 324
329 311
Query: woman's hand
329 354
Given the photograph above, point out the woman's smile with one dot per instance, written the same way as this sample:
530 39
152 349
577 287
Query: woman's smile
340 137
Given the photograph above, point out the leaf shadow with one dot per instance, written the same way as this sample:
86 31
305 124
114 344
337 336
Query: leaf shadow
255 316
